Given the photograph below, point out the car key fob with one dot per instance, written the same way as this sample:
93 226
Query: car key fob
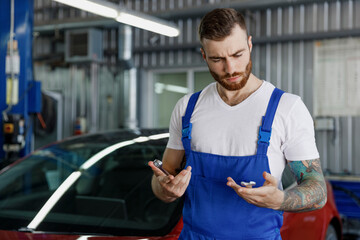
248 184
158 164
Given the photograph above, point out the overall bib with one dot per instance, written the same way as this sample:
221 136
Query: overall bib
213 210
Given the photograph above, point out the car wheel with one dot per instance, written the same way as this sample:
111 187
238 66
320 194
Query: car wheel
331 233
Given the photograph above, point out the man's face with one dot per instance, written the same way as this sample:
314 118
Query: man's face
229 60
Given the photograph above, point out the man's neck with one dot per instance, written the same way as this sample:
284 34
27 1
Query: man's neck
233 98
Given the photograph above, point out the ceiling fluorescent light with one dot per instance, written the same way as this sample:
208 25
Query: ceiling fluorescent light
135 19
148 24
98 8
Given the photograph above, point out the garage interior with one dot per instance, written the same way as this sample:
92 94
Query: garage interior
76 72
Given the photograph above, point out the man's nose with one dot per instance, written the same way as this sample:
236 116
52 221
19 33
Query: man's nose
229 67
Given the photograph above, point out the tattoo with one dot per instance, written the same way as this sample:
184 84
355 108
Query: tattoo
311 193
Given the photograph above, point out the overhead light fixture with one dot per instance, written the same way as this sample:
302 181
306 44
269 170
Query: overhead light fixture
135 19
160 87
145 23
92 6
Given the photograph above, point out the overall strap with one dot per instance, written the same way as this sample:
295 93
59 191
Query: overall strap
267 120
186 124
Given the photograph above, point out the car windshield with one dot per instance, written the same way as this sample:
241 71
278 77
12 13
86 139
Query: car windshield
102 185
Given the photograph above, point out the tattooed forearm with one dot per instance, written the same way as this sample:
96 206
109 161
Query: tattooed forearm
310 194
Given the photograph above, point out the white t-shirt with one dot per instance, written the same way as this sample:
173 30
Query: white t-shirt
233 130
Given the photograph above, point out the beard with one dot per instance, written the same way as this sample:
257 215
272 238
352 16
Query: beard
235 85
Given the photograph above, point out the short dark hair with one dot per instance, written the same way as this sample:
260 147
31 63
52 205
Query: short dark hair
218 24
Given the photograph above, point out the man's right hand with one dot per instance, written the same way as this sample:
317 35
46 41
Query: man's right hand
169 187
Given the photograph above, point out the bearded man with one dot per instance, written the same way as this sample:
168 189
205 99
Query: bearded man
238 132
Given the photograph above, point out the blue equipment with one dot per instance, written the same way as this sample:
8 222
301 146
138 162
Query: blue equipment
20 95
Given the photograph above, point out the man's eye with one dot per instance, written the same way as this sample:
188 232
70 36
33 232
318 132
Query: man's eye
238 55
216 59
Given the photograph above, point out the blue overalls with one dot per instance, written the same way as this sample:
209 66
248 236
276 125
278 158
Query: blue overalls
212 210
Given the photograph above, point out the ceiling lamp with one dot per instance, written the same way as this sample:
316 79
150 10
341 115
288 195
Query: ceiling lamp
135 19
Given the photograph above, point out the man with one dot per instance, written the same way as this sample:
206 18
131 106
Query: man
239 129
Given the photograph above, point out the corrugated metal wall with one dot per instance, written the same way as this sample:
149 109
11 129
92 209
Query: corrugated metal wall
284 34
284 38
98 101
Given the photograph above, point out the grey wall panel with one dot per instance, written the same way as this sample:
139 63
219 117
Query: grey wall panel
347 15
356 144
262 23
308 75
285 66
255 57
321 145
262 62
296 19
334 15
331 151
343 145
295 69
356 15
310 18
347 146
338 149
273 64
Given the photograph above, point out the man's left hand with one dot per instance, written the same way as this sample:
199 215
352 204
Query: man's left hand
268 195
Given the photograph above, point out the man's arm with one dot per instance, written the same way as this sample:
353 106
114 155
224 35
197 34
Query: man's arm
170 187
311 193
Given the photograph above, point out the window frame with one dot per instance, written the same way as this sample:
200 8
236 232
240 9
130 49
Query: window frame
149 109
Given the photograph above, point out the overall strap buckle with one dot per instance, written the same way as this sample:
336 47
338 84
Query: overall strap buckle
186 131
264 136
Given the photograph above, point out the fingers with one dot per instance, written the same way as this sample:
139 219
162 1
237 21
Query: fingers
166 179
269 179
177 186
231 182
174 186
155 169
267 195
245 192
183 176
251 195
237 188
188 177
188 180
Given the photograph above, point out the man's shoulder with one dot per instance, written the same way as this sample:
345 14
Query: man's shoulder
287 99
207 91
290 98
292 105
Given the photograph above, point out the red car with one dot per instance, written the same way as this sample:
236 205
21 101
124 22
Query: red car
98 187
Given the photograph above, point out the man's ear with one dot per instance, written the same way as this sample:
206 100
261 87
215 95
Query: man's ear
203 53
250 43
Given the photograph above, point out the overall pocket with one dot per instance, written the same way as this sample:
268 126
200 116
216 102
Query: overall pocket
214 205
219 212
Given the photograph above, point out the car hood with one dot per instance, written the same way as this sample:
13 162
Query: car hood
13 235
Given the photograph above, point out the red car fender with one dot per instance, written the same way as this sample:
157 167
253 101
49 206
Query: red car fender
312 224
332 212
175 233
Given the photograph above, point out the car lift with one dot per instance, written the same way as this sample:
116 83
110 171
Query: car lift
20 94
